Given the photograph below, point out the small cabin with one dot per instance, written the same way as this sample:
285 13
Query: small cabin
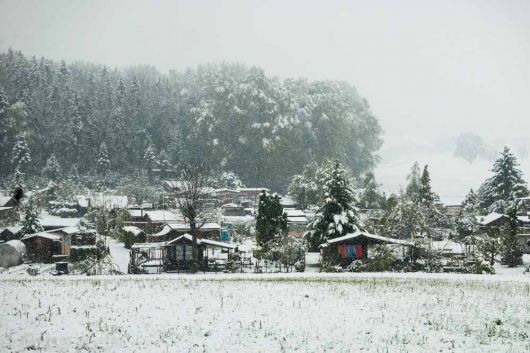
355 246
42 247
178 254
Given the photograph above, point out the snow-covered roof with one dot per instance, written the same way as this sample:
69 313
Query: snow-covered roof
136 213
148 245
490 218
132 229
42 235
294 212
288 201
186 236
165 230
3 208
203 241
67 230
13 230
301 220
217 243
370 236
163 216
47 220
231 205
108 201
524 219
252 189
144 205
173 184
221 190
4 200
185 227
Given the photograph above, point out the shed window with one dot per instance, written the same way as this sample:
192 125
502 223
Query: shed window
179 252
189 252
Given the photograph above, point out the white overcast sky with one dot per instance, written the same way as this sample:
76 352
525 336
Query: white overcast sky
430 69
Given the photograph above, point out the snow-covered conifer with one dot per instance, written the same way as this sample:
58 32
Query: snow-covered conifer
337 215
505 185
103 162
21 155
52 170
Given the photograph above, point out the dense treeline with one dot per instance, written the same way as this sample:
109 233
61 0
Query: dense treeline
232 116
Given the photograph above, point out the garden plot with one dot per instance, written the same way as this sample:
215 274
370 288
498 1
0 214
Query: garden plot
253 313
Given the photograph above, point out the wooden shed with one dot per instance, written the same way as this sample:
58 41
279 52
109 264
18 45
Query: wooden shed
355 246
178 253
41 247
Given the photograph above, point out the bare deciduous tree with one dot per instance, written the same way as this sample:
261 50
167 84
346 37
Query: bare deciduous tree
191 196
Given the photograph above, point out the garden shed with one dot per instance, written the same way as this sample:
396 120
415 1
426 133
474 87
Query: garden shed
355 246
178 253
41 247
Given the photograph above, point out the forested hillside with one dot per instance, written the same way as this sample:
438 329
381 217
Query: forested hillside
231 116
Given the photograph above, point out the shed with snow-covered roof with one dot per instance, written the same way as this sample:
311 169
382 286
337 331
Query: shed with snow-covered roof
178 253
41 247
355 246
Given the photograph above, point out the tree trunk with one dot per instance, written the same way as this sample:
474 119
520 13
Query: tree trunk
195 246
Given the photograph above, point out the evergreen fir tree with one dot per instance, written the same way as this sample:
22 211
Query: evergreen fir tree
413 179
425 194
4 127
149 159
371 196
52 170
73 174
31 223
505 185
103 162
271 222
19 179
21 156
337 215
163 161
511 249
415 213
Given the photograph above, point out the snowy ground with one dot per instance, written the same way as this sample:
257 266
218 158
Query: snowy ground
253 313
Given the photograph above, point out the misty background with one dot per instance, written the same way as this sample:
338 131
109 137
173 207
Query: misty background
449 81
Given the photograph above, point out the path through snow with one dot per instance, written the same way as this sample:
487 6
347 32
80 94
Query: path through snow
120 255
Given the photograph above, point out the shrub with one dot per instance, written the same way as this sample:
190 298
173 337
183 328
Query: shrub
80 253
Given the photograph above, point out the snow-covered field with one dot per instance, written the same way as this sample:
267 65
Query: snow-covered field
273 313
